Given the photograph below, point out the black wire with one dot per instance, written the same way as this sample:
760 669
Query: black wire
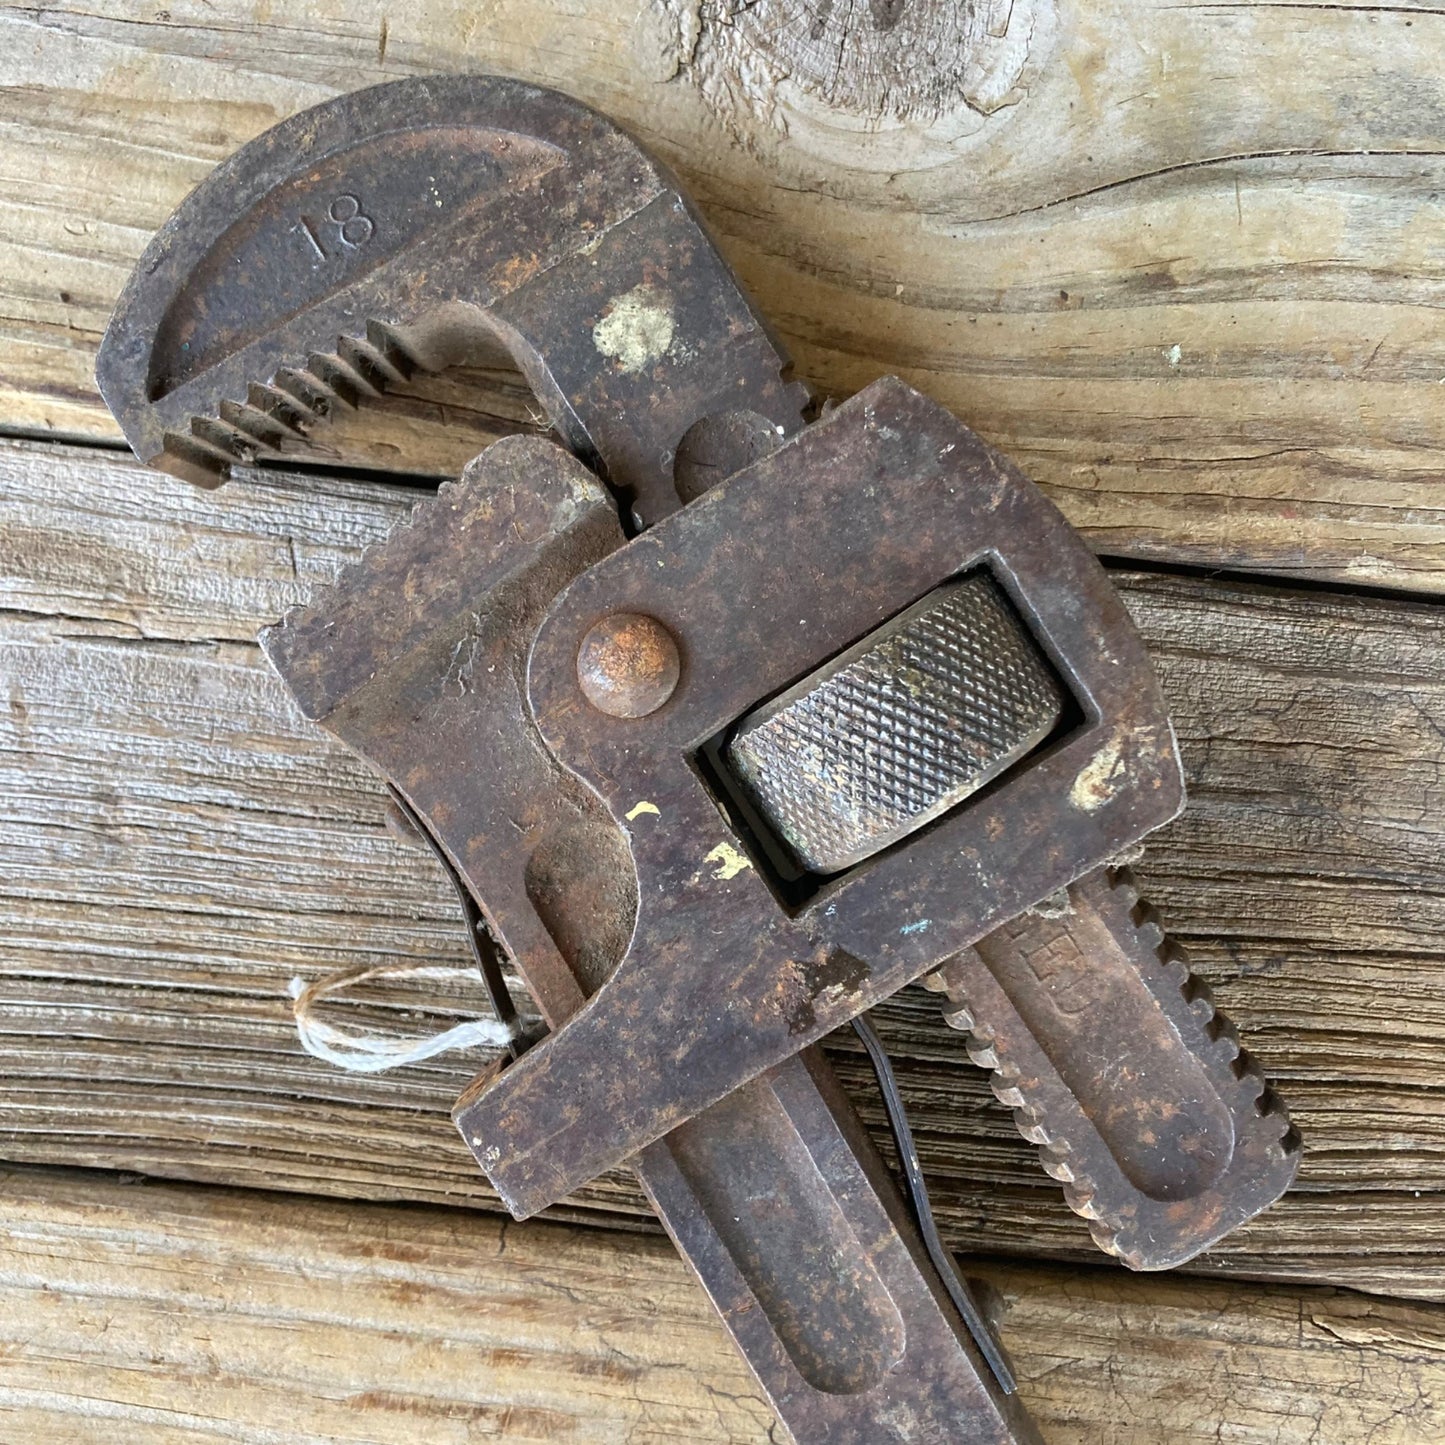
486 959
943 1261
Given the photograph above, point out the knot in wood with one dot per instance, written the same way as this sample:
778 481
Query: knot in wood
877 59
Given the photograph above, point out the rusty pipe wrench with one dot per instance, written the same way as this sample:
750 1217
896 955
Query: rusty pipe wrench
486 206
383 231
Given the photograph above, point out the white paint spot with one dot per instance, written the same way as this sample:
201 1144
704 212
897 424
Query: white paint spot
1174 355
637 329
729 862
922 926
642 808
1367 566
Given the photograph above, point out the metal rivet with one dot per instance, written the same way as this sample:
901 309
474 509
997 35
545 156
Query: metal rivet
628 665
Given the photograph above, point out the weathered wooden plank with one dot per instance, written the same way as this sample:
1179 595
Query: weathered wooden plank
178 843
173 1315
181 1315
1182 261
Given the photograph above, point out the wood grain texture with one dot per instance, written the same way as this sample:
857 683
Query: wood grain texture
180 1315
1184 262
178 843
168 1315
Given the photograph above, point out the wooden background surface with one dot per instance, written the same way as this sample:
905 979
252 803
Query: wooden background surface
1187 263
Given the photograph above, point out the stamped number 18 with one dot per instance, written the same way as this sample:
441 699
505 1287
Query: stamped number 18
352 228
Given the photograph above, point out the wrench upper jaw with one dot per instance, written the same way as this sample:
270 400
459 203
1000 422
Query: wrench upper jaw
384 231
274 409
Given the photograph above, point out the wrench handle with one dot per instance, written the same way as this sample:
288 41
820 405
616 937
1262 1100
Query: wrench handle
1162 1130
779 1201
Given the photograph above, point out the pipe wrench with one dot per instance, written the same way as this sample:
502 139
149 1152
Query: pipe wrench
730 719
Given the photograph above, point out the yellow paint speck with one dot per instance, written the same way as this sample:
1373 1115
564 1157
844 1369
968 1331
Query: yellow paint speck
1099 778
642 808
729 862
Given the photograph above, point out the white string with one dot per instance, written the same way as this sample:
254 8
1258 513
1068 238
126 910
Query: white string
371 1053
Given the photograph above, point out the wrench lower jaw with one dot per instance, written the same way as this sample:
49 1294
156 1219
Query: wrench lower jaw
1164 1133
779 1201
